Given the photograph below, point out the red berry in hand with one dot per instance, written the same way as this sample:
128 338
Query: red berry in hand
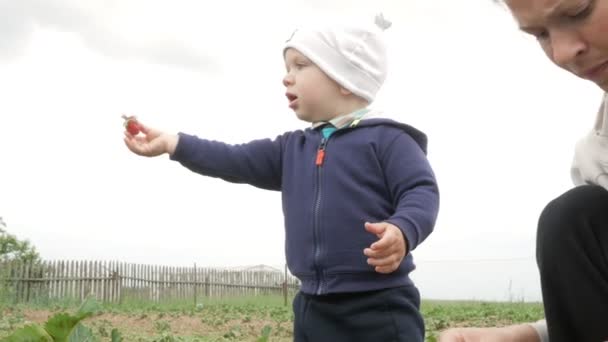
131 125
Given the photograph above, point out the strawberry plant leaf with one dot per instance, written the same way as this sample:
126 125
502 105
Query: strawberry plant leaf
60 326
265 334
116 335
88 308
81 334
29 333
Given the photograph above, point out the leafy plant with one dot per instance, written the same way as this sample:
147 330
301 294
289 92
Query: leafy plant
116 336
265 334
12 248
61 327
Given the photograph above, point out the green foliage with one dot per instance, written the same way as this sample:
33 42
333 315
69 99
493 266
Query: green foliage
265 334
235 320
440 315
80 333
11 248
116 336
61 327
30 333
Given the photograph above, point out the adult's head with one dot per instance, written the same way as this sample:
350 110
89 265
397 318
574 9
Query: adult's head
573 33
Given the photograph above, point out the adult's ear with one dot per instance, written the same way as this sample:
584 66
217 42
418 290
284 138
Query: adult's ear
345 91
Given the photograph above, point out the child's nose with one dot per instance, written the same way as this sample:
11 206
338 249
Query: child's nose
288 80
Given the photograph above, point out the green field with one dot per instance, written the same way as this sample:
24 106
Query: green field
244 319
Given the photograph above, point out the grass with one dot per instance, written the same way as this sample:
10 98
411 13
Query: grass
246 319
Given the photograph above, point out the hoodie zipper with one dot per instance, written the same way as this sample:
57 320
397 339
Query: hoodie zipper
316 220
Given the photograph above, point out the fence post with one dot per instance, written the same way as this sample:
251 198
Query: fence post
114 286
28 280
195 285
121 272
207 292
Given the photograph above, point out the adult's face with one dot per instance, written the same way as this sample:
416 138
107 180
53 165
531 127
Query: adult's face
573 33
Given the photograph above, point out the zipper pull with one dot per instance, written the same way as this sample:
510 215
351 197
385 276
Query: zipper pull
321 153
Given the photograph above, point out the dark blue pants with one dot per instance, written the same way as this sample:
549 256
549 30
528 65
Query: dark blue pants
390 315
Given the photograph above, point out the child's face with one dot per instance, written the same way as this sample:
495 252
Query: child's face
312 95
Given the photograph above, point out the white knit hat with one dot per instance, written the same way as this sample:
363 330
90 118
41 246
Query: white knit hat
352 55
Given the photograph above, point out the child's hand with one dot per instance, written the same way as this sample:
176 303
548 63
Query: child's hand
150 142
387 253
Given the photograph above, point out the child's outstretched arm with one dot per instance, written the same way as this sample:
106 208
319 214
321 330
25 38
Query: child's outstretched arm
257 163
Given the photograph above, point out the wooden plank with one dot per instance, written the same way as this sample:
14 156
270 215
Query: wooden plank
108 283
84 285
183 276
138 282
51 274
166 284
8 273
151 275
171 283
98 283
134 283
71 282
140 276
182 273
79 281
61 277
20 284
121 269
102 283
67 280
149 282
91 283
195 287
177 284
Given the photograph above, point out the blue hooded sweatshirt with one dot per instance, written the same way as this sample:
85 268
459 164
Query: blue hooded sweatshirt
375 171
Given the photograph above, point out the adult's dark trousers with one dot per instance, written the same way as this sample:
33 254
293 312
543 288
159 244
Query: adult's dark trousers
390 315
572 257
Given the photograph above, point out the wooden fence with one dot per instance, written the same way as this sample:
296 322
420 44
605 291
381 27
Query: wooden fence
117 282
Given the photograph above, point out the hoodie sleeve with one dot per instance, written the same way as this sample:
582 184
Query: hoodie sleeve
413 187
257 163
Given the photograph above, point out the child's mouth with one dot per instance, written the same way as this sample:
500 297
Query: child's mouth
292 100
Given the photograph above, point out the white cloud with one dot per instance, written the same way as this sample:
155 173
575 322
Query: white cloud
101 25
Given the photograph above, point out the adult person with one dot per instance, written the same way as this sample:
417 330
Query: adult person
572 237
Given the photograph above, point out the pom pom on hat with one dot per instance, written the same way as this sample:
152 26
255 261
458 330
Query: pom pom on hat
382 23
353 55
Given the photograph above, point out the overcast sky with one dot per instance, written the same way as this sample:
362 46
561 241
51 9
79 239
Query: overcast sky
501 121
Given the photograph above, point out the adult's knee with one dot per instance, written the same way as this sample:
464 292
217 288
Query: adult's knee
564 220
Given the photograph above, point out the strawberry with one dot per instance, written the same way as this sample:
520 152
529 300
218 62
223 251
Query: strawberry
131 125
